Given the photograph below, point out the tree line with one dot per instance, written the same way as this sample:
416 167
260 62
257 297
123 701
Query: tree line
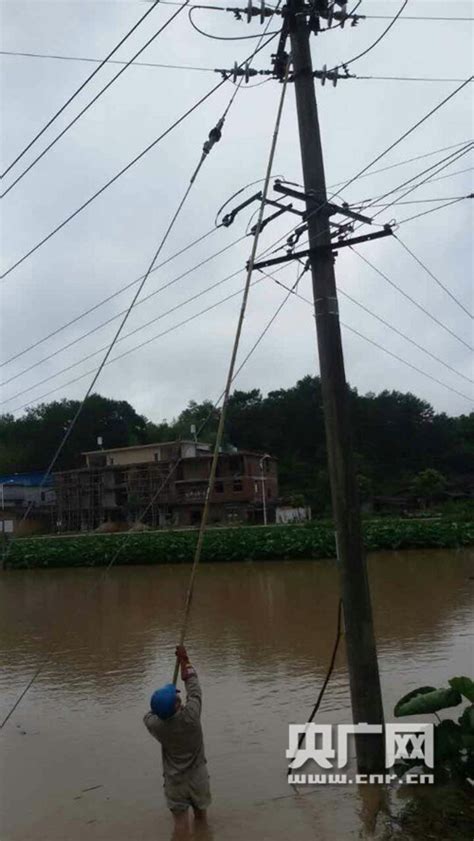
395 435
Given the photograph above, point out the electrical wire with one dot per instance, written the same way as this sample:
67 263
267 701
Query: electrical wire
93 100
213 230
418 17
412 300
80 88
405 79
376 344
213 138
121 339
106 300
393 21
386 151
439 166
214 69
433 276
391 327
406 161
122 545
221 37
128 166
114 61
433 209
138 347
113 318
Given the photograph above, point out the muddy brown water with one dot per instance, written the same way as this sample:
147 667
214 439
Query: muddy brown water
76 761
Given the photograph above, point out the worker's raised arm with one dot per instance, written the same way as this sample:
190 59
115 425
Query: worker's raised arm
192 708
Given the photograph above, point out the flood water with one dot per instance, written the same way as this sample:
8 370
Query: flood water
76 761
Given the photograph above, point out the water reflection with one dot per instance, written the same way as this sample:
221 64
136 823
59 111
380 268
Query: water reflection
261 637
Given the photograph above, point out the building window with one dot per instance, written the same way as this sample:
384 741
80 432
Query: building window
157 455
269 493
237 485
111 461
219 487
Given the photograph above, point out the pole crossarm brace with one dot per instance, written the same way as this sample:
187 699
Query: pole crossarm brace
332 247
344 209
282 208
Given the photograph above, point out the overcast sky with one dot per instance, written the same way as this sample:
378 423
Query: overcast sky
113 240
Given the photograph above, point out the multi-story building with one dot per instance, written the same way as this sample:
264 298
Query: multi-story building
168 482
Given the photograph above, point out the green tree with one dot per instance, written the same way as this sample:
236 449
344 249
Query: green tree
428 484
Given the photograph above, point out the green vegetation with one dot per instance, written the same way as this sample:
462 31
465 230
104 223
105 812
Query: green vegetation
453 741
397 437
315 540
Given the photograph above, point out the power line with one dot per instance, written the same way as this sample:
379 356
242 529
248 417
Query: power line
417 17
433 209
121 339
137 347
93 100
405 79
81 87
114 61
406 161
376 344
412 300
438 166
189 67
117 315
393 21
128 166
107 299
433 276
391 327
385 152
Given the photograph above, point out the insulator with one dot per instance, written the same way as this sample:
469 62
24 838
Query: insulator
262 11
249 11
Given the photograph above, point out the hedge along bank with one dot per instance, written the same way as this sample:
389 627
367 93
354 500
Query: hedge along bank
244 543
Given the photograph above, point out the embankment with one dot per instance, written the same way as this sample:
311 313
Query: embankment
243 543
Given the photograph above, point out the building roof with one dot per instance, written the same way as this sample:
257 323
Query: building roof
143 447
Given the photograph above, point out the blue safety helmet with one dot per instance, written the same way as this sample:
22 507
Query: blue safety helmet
163 701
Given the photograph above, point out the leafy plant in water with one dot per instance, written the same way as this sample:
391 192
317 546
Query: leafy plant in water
453 741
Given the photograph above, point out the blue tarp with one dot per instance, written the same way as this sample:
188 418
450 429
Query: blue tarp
29 480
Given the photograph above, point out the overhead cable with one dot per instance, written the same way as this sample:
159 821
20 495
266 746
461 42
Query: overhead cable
81 87
432 210
433 276
412 300
106 300
125 336
213 137
114 317
128 166
393 21
381 347
192 68
93 100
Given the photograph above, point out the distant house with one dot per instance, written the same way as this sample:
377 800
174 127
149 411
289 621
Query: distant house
20 492
165 484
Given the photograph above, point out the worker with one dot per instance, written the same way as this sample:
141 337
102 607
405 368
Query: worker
177 727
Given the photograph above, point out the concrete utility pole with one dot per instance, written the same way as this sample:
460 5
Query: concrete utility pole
360 640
